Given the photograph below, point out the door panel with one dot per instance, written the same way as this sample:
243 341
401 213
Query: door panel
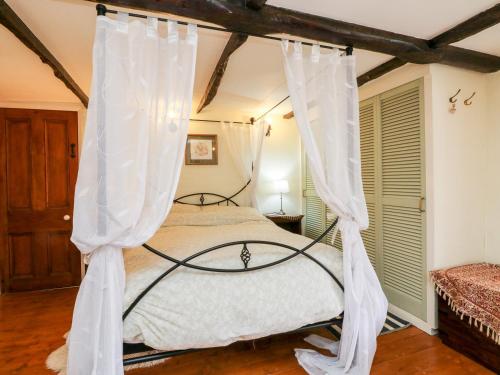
40 173
21 256
18 163
56 164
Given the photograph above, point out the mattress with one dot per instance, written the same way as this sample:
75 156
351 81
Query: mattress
197 309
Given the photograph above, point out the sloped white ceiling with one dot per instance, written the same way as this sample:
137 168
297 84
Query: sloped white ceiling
254 79
23 77
487 41
420 18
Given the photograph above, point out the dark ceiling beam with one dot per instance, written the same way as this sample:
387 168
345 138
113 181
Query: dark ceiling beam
14 24
236 40
472 26
255 4
275 20
380 70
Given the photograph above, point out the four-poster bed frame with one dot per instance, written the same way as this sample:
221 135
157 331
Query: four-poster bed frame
200 199
141 353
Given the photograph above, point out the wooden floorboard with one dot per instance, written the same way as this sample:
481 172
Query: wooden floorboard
33 324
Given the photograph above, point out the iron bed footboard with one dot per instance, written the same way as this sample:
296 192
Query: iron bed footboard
245 256
129 349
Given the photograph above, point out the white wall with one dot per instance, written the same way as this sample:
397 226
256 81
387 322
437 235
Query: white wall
280 160
492 250
221 179
459 167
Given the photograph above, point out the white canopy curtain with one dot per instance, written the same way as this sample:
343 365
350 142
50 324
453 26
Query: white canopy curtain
244 142
324 96
133 150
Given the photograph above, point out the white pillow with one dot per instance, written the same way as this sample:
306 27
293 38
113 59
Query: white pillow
184 208
214 215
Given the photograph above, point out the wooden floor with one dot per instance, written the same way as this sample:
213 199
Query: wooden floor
32 325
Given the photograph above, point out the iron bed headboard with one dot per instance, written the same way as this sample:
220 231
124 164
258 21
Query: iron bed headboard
245 256
202 198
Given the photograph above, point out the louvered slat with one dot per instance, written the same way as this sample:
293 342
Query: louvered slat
367 132
401 159
368 235
309 181
402 250
314 217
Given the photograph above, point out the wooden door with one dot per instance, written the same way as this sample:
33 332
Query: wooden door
38 166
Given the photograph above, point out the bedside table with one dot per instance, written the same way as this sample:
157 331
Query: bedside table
291 223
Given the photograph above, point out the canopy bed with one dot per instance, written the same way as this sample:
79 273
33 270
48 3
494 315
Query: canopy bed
132 154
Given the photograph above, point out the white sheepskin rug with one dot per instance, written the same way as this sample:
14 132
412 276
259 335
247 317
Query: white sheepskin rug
56 361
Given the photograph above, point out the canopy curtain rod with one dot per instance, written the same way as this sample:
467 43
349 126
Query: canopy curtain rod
219 121
102 10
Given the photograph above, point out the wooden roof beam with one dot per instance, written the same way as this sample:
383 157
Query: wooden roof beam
236 40
472 26
275 20
14 24
380 70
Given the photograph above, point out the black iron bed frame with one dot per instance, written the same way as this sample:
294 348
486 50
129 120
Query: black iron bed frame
245 255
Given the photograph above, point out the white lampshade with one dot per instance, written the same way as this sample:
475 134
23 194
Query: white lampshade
281 186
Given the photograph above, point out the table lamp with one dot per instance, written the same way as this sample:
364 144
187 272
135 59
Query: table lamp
281 186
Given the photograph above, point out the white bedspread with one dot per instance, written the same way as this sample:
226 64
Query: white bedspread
196 309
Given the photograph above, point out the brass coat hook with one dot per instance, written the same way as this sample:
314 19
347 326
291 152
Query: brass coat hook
453 101
467 101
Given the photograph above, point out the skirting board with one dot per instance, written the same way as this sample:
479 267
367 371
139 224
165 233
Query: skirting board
417 322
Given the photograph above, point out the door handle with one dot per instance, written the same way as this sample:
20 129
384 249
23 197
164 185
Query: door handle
72 152
421 205
66 217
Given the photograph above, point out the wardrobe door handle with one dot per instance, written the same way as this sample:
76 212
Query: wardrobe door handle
72 152
421 205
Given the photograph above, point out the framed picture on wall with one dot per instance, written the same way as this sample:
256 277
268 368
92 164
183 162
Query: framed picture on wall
201 149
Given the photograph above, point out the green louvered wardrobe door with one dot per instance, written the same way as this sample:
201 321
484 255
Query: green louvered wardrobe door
392 166
367 116
402 197
317 216
315 210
